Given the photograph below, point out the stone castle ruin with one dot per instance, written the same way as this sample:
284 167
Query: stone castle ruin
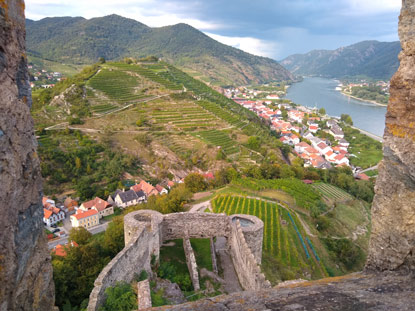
146 230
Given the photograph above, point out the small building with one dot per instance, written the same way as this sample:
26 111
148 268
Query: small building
52 216
61 250
127 198
70 205
337 132
163 190
147 188
101 206
170 184
84 219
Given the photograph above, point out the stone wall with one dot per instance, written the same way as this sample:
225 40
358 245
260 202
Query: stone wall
146 230
143 240
25 263
197 225
144 295
392 242
191 263
253 234
246 267
213 255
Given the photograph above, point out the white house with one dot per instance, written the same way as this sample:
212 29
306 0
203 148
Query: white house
53 216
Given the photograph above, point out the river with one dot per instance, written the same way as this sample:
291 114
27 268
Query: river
321 93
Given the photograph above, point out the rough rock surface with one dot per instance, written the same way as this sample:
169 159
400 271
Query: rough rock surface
392 244
357 292
25 268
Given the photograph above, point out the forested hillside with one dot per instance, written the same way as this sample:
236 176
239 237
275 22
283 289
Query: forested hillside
81 41
377 60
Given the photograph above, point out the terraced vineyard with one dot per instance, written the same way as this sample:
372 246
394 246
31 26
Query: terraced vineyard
222 113
284 237
157 73
219 139
117 85
332 192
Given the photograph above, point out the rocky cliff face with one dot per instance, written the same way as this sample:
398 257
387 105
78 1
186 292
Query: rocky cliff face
25 268
392 244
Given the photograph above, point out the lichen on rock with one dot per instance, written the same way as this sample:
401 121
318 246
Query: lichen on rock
25 267
392 244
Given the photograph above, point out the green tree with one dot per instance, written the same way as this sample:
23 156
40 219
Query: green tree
254 143
195 182
121 297
286 171
322 111
80 235
114 236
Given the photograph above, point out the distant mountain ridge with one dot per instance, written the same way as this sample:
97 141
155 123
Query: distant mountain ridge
374 59
81 41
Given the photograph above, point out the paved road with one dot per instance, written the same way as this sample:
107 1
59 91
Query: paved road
369 169
94 230
201 207
378 138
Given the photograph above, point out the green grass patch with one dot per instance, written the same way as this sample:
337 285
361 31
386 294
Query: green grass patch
201 248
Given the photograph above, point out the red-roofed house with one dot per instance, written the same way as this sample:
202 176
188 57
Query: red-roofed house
340 159
322 148
86 219
70 205
313 128
51 214
98 204
170 184
161 189
362 176
60 250
147 188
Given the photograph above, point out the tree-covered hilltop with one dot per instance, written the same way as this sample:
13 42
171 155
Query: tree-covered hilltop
374 59
80 41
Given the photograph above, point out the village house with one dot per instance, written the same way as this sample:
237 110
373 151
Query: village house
127 198
296 115
344 143
322 148
313 128
272 96
61 250
101 206
330 123
70 205
161 189
341 159
337 132
84 219
147 188
51 214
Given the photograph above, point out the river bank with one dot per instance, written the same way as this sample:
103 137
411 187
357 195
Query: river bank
321 93
363 100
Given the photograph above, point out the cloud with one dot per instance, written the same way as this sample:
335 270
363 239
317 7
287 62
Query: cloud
371 7
150 12
248 44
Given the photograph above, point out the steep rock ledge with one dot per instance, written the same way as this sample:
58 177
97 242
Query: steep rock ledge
392 244
25 268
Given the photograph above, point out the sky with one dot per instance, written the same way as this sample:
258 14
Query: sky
271 28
